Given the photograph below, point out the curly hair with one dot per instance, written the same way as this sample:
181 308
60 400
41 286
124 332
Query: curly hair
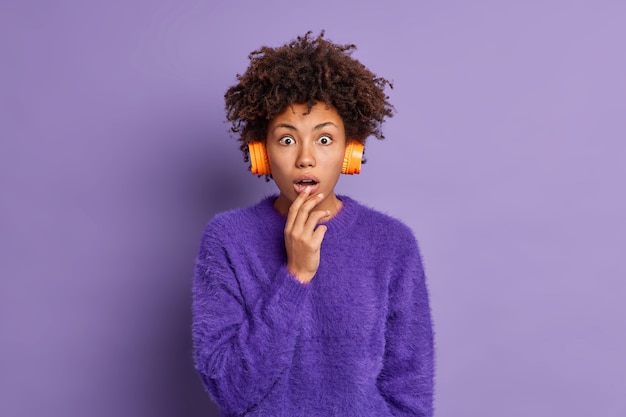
307 70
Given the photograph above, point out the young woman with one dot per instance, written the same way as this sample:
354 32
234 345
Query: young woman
310 303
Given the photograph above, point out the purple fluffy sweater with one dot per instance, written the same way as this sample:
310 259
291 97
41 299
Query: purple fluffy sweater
356 341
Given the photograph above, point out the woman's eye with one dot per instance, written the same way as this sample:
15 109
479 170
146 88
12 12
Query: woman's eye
286 140
325 140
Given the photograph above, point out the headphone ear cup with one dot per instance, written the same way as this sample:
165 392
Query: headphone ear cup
259 162
352 159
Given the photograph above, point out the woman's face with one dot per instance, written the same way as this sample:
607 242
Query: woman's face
306 150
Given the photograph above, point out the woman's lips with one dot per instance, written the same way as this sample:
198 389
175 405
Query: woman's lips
299 186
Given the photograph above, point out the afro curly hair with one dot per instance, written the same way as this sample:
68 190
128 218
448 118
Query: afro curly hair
307 70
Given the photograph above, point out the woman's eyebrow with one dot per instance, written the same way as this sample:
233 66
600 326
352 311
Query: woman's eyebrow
286 126
323 125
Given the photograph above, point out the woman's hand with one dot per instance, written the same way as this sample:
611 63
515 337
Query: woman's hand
303 236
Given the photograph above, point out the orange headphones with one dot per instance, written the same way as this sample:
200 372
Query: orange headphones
260 163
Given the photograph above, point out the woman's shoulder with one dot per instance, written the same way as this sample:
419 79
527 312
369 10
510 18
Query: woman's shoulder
236 220
382 222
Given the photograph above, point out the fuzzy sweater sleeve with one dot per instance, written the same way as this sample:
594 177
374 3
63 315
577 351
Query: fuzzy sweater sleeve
406 380
241 348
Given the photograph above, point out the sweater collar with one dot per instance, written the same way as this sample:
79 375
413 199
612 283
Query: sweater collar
342 221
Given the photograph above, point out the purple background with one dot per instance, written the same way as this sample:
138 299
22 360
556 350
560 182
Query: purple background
507 157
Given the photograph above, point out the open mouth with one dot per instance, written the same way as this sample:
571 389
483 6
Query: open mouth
301 184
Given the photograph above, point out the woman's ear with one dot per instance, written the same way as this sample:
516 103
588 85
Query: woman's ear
259 162
352 158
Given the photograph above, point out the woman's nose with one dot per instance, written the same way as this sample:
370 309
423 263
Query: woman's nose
305 157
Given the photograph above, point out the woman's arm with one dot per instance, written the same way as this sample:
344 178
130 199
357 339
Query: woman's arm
241 350
407 378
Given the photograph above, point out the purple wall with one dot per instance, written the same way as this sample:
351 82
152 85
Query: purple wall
507 157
